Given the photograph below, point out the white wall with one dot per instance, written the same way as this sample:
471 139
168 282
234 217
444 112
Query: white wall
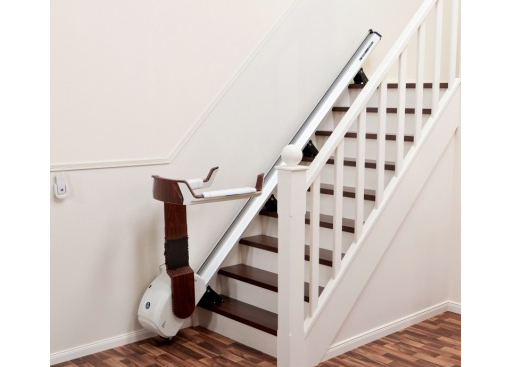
129 77
129 80
421 267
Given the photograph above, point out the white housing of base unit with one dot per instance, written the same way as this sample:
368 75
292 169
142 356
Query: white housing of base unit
155 310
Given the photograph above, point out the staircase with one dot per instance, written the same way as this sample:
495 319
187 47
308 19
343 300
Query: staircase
249 288
377 146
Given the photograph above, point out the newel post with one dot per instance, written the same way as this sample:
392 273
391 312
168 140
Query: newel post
291 245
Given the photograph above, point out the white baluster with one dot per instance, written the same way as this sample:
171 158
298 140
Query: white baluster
421 49
401 109
438 55
338 192
360 174
315 216
291 242
454 42
382 129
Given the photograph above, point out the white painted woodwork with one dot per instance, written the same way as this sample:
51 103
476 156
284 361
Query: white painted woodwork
421 45
338 208
362 258
268 261
235 330
360 175
401 111
327 175
453 53
393 93
291 240
315 212
373 122
437 59
348 209
382 128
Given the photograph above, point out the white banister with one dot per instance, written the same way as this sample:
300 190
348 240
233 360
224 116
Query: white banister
438 55
382 128
419 96
360 174
401 111
291 242
291 220
315 214
454 42
338 192
361 101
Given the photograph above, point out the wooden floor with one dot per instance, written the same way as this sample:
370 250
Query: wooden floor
433 343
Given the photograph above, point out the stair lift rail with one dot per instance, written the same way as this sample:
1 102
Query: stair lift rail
231 237
294 329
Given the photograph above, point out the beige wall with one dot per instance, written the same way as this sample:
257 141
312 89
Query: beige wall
128 80
129 77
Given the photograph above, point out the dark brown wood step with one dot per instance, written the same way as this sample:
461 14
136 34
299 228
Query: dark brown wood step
349 192
351 162
247 314
326 221
409 111
396 85
258 277
268 243
369 136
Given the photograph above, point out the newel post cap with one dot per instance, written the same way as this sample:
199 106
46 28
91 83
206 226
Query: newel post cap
291 155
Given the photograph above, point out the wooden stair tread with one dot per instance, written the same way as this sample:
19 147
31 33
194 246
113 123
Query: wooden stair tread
351 162
369 136
258 277
268 243
409 111
247 314
396 85
326 221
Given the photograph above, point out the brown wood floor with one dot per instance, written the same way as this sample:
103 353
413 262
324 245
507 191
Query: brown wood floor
433 343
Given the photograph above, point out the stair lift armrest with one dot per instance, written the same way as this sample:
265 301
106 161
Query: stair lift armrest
191 198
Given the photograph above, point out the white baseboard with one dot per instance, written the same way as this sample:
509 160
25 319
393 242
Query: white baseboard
335 350
454 307
101 345
387 329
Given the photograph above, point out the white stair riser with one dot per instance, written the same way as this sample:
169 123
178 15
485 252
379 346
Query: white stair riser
235 330
256 296
348 206
270 228
392 97
371 148
370 176
372 123
268 261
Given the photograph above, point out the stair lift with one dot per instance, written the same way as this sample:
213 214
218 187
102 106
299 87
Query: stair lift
175 292
173 295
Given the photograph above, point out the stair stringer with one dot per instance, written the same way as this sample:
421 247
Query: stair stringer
360 261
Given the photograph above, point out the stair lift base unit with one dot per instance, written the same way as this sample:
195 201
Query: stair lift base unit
174 294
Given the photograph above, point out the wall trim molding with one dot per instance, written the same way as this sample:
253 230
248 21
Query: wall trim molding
76 166
335 350
98 346
454 307
104 344
389 328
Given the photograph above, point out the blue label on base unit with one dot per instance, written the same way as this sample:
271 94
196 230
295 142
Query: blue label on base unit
147 305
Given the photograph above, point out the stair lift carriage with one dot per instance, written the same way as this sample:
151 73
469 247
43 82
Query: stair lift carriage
174 293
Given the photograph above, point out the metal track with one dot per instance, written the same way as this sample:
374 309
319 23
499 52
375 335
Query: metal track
301 138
